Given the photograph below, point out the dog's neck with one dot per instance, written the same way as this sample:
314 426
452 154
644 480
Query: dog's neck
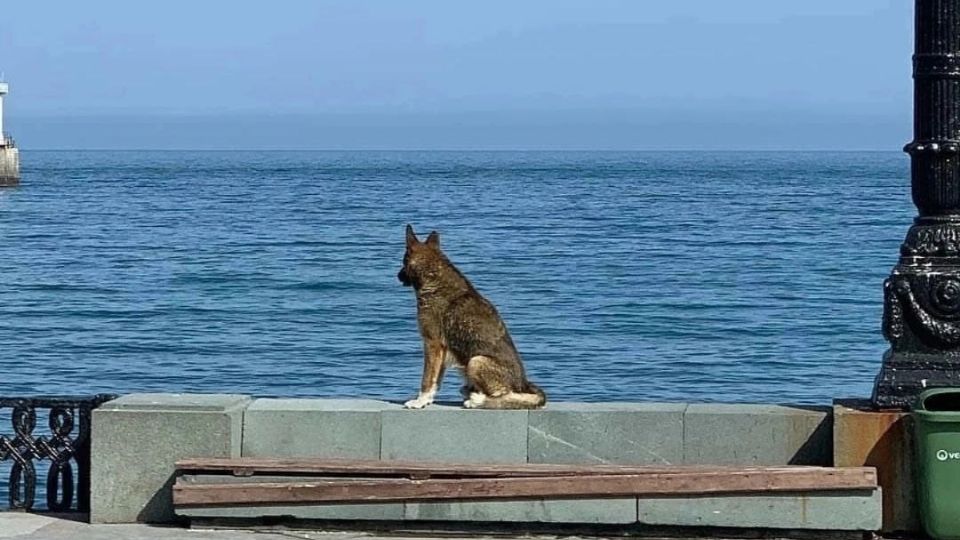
444 279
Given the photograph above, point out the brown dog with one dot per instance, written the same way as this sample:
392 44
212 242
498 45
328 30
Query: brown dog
461 328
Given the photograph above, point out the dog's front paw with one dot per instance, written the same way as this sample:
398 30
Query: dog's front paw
418 403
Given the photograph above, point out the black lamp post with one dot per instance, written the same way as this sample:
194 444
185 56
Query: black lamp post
921 310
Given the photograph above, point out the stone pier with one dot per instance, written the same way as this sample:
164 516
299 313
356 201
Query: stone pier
9 155
9 166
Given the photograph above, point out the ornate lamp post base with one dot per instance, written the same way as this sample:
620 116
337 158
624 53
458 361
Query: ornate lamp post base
904 376
921 306
921 314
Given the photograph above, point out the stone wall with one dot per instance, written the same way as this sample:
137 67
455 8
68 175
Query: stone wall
137 438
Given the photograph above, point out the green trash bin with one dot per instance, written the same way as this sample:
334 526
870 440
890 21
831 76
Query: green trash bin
937 424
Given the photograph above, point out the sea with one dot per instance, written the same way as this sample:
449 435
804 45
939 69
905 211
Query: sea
622 276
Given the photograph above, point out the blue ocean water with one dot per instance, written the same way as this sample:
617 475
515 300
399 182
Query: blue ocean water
623 276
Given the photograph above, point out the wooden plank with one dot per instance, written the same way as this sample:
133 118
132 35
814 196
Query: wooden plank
418 469
760 480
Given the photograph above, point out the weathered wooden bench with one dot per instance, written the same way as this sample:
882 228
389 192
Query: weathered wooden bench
249 482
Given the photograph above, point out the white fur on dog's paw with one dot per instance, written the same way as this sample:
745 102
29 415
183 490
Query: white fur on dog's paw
422 400
476 400
417 403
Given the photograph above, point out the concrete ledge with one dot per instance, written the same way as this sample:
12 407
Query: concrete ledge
620 433
722 434
331 428
136 439
817 511
352 512
615 511
453 434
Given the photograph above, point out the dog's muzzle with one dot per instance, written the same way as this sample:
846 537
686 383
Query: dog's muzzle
404 278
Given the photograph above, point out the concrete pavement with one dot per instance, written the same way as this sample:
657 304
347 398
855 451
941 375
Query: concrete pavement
21 526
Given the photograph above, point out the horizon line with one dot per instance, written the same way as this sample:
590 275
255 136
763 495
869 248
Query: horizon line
461 150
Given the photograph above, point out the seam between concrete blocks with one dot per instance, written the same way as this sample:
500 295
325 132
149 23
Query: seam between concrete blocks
526 437
243 428
380 440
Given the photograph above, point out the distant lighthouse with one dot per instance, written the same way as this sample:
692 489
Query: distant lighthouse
9 155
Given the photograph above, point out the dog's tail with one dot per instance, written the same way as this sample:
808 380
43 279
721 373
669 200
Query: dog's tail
532 397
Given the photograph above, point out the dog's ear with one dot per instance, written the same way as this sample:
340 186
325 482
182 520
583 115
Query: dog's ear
434 239
411 236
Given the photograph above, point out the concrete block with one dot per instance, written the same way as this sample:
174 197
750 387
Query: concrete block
860 511
723 434
453 434
543 511
881 439
136 439
594 433
323 428
348 512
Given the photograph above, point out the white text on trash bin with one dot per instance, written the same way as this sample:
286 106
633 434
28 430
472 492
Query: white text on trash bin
943 455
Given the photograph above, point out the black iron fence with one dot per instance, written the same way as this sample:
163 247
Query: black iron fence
64 442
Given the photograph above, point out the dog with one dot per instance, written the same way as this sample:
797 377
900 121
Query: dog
460 328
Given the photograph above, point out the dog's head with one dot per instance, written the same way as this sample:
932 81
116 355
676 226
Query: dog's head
418 258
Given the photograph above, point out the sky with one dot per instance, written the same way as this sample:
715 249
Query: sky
442 74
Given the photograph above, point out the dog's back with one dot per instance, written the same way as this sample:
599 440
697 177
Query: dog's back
479 341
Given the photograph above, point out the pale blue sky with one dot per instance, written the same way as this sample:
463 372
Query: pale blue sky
591 74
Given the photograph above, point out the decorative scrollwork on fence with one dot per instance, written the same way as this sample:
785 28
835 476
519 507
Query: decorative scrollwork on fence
66 446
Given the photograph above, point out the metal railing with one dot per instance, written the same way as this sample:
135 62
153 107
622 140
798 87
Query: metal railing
6 140
66 446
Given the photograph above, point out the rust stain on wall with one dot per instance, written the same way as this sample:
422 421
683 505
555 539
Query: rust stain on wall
881 439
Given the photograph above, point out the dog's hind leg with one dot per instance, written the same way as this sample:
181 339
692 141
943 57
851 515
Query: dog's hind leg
483 382
492 388
516 400
434 354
